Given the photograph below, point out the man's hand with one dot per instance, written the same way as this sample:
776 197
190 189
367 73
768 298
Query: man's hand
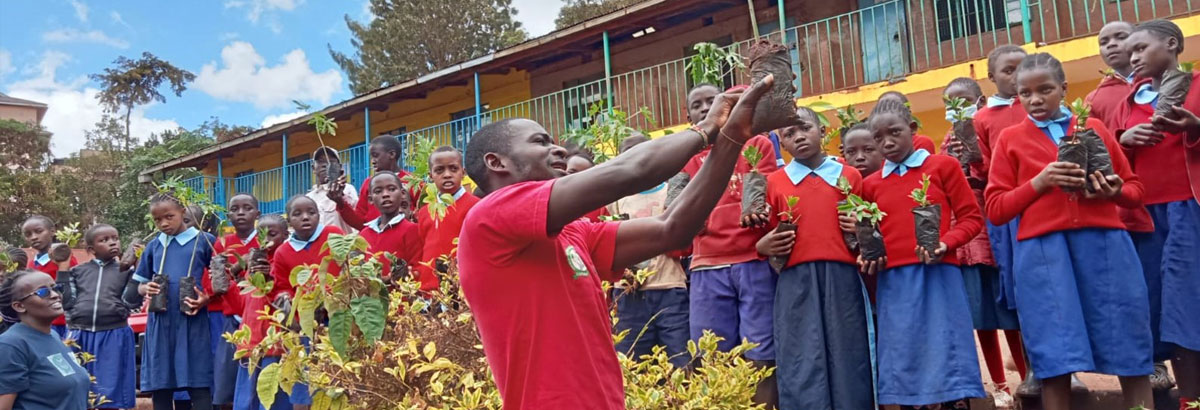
337 189
930 258
740 127
1105 187
776 243
1066 175
1141 135
872 266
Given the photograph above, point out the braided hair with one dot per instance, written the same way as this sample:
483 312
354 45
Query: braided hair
891 106
8 290
167 196
1043 61
1163 29
17 256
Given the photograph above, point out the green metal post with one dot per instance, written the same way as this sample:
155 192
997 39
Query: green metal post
478 108
782 20
608 71
284 167
1025 20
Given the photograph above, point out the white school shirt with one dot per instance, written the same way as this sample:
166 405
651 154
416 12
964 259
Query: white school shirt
328 208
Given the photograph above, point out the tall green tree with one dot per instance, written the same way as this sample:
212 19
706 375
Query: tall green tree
577 11
131 83
410 38
25 186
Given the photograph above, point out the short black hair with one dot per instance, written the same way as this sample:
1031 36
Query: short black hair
894 94
1000 51
702 85
253 199
804 110
444 148
385 175
965 82
1043 61
1163 29
493 137
862 126
90 234
287 208
271 219
45 220
891 106
390 143
324 153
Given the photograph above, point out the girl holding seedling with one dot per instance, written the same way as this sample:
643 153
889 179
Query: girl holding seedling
392 232
989 309
232 251
272 231
1082 303
919 141
177 353
924 319
39 235
385 151
820 315
1162 148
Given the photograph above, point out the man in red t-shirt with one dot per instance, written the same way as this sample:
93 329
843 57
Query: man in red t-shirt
531 267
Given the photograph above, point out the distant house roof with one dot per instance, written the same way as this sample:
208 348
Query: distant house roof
40 107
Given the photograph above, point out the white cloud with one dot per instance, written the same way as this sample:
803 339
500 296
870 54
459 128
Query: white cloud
537 16
278 118
6 66
365 14
117 19
256 8
72 105
244 76
81 10
70 35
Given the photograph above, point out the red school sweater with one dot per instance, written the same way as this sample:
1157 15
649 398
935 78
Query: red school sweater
1191 140
924 142
1107 101
250 306
989 122
439 236
723 241
1022 152
948 188
1163 166
234 300
820 239
51 268
362 212
977 251
288 258
402 240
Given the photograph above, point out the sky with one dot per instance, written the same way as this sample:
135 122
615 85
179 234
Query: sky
251 58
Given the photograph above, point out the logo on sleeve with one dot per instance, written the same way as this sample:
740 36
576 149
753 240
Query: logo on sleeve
576 263
61 363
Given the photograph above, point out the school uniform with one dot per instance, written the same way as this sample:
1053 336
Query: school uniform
41 371
526 284
99 323
732 286
998 114
438 236
656 314
924 142
42 263
1080 293
821 314
399 237
176 353
245 393
355 211
330 210
225 368
926 344
1169 253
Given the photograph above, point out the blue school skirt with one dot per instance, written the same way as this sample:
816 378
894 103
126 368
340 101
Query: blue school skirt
246 392
176 353
1002 238
1082 304
224 367
989 310
114 367
821 339
926 343
1181 273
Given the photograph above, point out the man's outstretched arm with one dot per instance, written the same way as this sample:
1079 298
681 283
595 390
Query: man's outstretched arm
644 238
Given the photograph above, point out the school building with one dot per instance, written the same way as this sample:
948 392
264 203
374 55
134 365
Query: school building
844 53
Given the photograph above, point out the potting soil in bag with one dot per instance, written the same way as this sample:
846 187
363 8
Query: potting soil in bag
675 186
1172 90
850 238
965 132
187 290
399 269
928 222
218 272
1098 157
776 109
1073 151
158 302
870 241
778 262
754 193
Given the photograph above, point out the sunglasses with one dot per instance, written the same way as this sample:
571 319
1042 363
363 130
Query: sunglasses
44 292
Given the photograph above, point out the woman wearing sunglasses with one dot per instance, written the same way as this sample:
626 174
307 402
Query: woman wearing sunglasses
37 371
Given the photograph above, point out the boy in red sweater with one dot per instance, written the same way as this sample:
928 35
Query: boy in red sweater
1106 99
821 339
919 141
392 232
1082 301
438 232
385 153
243 213
1164 154
861 151
926 349
39 235
245 391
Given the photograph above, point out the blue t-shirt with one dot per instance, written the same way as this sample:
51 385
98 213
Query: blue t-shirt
41 370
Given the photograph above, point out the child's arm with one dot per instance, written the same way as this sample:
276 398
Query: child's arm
1004 198
66 278
353 211
968 220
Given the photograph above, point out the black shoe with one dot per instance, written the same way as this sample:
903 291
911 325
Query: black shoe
1161 380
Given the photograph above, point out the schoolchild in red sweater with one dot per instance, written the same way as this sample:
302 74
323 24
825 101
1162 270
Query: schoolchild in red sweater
438 232
1082 301
989 310
245 391
579 161
1106 99
926 349
392 232
1166 156
385 153
39 235
243 213
861 151
919 141
821 343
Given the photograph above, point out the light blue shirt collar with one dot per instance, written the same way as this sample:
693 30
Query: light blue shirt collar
1146 94
461 191
653 190
246 240
996 101
42 259
1056 128
299 245
829 171
183 238
1130 78
375 224
914 160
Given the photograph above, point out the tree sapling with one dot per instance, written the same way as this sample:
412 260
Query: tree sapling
964 130
850 238
927 217
867 216
754 185
787 222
